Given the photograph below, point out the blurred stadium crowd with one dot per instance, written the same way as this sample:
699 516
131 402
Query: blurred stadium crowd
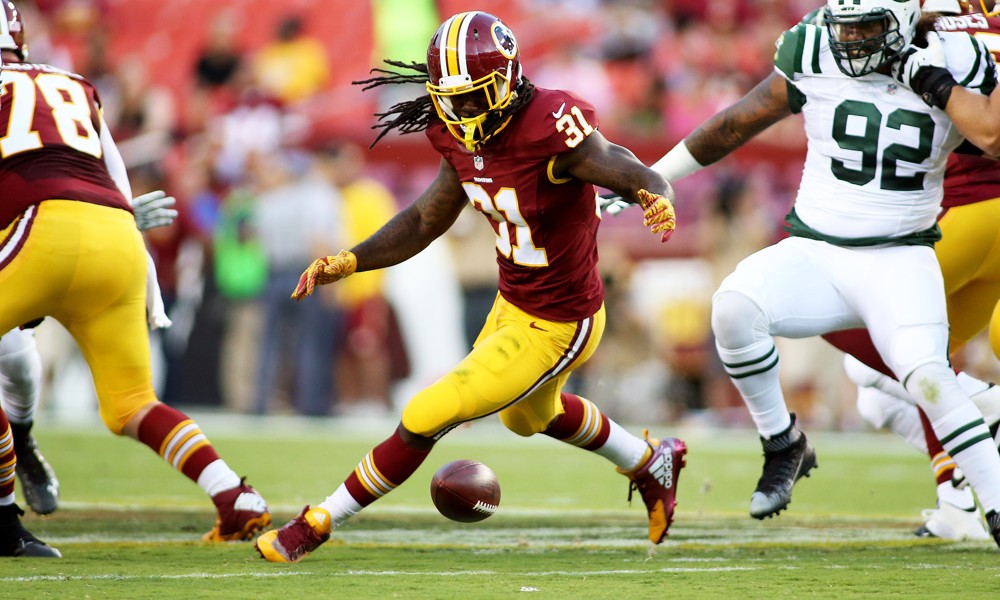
245 111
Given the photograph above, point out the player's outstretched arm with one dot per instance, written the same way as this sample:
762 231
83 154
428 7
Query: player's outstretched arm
405 235
763 106
727 130
602 163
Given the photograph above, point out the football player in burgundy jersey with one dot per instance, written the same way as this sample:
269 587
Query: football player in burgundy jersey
21 370
527 159
70 249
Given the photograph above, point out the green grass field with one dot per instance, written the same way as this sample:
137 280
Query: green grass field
129 527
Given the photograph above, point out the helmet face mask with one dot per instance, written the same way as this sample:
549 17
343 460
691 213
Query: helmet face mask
868 34
12 30
474 70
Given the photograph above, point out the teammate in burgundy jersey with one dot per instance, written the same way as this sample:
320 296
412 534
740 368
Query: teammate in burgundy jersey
74 166
527 159
70 249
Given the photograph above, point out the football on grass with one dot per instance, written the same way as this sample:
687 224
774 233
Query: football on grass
465 491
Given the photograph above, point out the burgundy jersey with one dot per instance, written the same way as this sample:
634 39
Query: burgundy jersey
970 178
51 147
546 228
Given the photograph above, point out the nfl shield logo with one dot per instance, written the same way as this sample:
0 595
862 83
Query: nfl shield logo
477 161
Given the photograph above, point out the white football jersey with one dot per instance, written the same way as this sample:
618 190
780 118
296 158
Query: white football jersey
876 152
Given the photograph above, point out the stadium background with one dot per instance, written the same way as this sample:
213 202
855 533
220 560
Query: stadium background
206 102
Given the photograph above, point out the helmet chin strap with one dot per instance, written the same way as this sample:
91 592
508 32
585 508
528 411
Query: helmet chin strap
470 142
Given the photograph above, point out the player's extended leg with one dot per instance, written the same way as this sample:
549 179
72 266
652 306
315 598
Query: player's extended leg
885 404
652 466
791 289
15 540
20 384
104 309
751 360
913 339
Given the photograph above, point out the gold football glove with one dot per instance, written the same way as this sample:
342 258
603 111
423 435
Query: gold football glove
323 271
658 214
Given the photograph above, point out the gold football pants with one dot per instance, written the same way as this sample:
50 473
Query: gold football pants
517 367
84 265
969 254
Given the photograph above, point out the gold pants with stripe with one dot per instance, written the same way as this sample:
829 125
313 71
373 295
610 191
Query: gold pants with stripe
517 367
969 254
85 266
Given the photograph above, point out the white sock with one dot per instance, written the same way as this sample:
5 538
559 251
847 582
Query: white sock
341 505
218 477
622 448
978 460
21 382
754 372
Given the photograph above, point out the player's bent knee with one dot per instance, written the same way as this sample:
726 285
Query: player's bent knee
522 422
436 408
935 388
733 319
117 415
910 348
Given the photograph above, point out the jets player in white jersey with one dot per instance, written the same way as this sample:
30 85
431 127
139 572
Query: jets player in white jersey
862 232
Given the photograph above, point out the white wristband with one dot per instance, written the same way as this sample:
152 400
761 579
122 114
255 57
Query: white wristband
677 163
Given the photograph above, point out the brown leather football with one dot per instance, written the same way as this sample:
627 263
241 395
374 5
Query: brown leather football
465 491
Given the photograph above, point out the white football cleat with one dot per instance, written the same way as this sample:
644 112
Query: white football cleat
950 522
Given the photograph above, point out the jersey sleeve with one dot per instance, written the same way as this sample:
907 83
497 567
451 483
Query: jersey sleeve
559 122
970 62
797 51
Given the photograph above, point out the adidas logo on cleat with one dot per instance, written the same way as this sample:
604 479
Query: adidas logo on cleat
663 470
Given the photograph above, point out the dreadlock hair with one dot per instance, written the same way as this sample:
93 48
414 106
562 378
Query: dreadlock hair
410 116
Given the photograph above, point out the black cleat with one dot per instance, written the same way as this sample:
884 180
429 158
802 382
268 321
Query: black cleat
788 457
38 480
993 521
15 540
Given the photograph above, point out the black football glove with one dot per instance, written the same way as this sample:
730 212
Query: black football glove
923 70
